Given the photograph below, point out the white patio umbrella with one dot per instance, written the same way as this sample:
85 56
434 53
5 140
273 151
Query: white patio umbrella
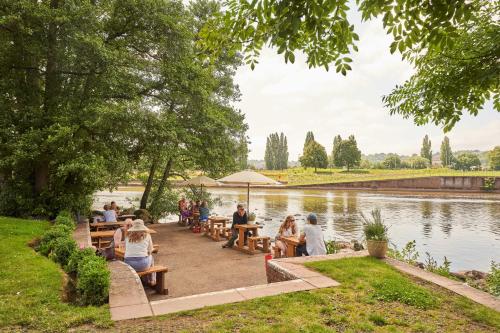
200 181
248 177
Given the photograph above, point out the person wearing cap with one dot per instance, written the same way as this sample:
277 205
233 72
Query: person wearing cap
138 249
313 237
120 233
239 217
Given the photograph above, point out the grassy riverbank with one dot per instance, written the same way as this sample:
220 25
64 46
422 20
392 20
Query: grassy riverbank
373 297
31 285
301 176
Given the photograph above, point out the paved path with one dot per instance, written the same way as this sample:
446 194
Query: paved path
196 264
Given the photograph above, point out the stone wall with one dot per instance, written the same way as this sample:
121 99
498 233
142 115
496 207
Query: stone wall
276 273
443 183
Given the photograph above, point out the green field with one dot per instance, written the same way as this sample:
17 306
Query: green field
301 176
31 285
372 297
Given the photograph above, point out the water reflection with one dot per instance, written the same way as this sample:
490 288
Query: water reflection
446 219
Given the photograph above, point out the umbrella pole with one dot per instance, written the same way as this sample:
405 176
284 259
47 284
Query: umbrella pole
248 198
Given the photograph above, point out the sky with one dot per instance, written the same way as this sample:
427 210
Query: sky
293 99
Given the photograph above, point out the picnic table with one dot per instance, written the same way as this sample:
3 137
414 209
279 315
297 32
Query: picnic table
222 220
100 235
291 244
242 228
125 216
106 225
120 251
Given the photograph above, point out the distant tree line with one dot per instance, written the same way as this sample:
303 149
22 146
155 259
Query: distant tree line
276 155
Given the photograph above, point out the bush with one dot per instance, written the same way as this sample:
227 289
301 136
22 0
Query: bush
76 257
62 249
93 280
50 236
493 280
374 229
65 220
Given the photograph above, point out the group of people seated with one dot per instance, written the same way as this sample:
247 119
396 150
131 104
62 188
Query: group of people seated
188 210
311 238
109 214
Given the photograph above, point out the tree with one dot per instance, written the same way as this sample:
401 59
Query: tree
276 154
335 151
446 154
466 161
494 158
348 154
392 161
314 156
452 44
417 162
309 138
426 151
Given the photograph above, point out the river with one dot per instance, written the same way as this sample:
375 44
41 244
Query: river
464 228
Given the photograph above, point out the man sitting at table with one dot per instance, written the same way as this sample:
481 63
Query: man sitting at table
109 214
313 236
239 217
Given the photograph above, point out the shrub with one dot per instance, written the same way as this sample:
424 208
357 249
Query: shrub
75 259
65 220
493 280
93 280
374 229
50 236
62 249
331 247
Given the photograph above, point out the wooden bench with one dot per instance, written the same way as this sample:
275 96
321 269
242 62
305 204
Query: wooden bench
277 252
161 274
254 243
221 232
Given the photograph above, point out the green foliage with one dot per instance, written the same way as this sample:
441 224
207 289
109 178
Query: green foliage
314 156
346 152
76 257
276 154
63 248
63 219
408 254
336 161
467 161
432 266
392 161
374 228
163 204
452 44
93 280
48 239
403 291
488 183
426 151
416 162
494 158
331 247
493 280
446 154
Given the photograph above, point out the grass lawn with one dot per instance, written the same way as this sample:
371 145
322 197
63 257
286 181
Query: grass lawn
301 176
373 297
31 284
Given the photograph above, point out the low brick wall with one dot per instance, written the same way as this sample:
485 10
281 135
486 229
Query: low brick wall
276 273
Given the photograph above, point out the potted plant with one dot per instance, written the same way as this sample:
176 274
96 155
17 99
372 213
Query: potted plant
251 217
376 234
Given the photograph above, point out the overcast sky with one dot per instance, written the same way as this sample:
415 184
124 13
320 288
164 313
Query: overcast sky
290 98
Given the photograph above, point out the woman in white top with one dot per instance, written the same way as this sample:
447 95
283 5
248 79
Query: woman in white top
313 236
138 249
288 228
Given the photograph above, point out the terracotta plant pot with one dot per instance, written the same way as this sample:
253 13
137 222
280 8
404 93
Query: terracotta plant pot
377 249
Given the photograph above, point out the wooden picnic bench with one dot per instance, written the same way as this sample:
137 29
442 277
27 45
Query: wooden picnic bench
242 228
120 252
254 243
106 225
161 274
108 234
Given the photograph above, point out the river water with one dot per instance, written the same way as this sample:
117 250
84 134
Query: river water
464 228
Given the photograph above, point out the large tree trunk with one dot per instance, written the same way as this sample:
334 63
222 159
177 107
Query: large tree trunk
163 181
51 91
149 184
